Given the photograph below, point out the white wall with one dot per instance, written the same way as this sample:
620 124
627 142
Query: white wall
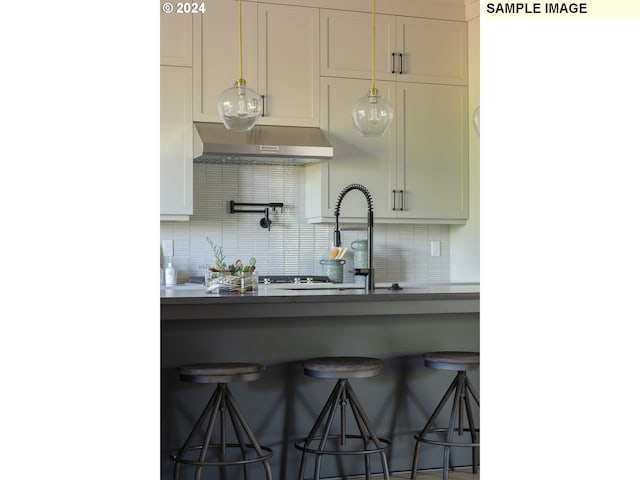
401 252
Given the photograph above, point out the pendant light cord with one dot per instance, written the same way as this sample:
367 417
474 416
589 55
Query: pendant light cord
373 45
240 35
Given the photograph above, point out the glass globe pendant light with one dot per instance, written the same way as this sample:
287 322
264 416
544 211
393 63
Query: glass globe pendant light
240 107
372 114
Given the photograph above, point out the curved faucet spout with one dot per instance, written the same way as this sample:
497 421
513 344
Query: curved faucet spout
347 189
337 242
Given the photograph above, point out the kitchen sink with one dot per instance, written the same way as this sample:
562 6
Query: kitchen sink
386 286
340 286
322 287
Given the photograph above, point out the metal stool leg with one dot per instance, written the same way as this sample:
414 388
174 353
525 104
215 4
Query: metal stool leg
238 421
233 415
472 427
456 411
341 395
212 408
221 402
328 409
219 408
474 437
460 388
427 427
337 400
367 431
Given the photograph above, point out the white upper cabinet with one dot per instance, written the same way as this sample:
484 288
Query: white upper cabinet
176 121
280 59
345 44
408 49
216 54
356 159
416 173
431 51
176 143
431 179
175 39
288 61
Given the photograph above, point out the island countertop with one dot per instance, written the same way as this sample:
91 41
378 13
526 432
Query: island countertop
193 302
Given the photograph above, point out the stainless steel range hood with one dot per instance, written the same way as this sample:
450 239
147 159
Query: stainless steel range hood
263 145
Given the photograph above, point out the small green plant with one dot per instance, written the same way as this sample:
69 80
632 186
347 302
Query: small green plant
219 265
237 267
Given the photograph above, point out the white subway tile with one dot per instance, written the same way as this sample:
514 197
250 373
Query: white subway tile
292 246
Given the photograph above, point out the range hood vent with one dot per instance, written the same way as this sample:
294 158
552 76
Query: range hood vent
263 145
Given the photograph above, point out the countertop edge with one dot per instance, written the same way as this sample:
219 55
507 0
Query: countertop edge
214 307
249 299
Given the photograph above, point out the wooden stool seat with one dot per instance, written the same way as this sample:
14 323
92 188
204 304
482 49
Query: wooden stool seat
343 367
221 372
456 361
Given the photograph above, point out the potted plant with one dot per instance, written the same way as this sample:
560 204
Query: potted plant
235 277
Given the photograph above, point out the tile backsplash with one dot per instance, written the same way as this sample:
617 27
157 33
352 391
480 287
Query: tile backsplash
401 252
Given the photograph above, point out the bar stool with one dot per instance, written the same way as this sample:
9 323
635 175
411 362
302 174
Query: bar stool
316 443
460 388
211 454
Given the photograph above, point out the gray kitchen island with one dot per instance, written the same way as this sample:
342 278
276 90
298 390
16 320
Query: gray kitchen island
280 327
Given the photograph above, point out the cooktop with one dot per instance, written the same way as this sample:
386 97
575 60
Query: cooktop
269 279
295 279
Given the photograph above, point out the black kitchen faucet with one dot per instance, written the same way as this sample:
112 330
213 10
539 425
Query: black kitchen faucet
368 272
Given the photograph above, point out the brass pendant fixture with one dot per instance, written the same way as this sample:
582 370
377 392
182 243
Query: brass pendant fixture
239 107
372 114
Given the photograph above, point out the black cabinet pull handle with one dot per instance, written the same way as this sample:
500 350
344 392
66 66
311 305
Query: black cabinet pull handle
402 197
394 200
393 66
401 65
263 114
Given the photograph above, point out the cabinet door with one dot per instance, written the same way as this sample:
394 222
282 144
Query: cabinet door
176 143
433 166
175 39
216 62
288 65
345 44
356 159
433 51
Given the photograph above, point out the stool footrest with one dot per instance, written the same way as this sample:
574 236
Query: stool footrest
385 445
447 444
267 453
